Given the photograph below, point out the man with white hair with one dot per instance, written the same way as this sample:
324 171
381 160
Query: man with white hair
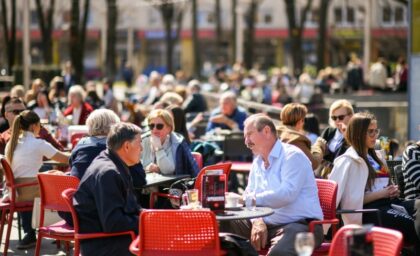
228 115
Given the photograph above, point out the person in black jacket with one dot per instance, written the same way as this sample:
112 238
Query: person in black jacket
195 103
105 201
335 145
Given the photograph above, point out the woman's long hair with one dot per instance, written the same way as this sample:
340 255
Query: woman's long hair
21 123
356 137
180 122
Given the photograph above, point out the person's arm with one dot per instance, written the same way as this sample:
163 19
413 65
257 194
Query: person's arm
61 157
110 200
45 135
412 166
166 163
292 180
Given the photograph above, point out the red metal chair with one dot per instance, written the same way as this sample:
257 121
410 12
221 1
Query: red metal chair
75 137
386 242
175 232
68 198
327 193
198 158
10 206
220 166
51 187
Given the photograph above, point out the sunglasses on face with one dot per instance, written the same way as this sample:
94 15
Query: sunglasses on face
16 111
158 126
373 132
340 117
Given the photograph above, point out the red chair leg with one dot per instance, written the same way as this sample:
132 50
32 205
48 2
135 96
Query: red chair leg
76 248
3 220
9 230
38 244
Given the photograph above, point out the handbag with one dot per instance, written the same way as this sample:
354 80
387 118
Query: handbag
50 217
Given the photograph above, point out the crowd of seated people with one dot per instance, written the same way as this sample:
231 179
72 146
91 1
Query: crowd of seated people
344 152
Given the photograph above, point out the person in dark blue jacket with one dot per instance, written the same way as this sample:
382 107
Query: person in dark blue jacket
99 123
165 151
228 115
105 201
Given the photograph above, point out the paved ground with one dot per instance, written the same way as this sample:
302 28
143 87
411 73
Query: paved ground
48 248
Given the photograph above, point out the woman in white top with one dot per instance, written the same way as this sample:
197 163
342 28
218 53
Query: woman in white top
363 181
25 154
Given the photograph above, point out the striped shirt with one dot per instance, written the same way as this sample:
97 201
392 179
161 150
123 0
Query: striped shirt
411 171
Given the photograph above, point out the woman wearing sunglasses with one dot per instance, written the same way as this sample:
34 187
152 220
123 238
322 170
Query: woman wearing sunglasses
363 181
166 151
332 139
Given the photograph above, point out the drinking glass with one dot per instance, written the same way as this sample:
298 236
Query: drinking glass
193 197
250 200
304 243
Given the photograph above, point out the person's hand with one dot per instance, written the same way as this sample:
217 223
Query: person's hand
394 192
219 119
153 168
155 142
259 234
391 191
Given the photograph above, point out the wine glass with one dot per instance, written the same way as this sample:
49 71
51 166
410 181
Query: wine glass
304 243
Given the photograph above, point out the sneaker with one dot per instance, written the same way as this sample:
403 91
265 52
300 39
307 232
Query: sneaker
28 241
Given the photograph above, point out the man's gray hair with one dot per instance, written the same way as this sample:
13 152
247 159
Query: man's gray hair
100 121
120 133
259 121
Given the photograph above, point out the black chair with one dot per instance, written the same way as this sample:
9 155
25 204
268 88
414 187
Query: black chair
234 148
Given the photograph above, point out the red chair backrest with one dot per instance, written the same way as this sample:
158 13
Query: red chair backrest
51 186
67 195
10 178
386 242
327 193
175 232
198 158
75 137
220 166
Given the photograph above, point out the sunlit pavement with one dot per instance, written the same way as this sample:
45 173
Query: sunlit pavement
47 246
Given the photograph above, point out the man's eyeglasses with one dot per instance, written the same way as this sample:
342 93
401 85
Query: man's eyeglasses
158 126
340 117
373 132
16 111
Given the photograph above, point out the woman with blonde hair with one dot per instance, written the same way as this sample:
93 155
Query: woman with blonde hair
25 153
166 151
363 181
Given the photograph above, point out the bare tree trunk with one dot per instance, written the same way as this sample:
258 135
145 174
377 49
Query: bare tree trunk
296 32
46 24
9 34
250 34
234 28
322 34
111 36
218 17
196 43
77 38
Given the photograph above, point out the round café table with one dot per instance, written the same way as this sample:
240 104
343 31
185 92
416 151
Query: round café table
240 213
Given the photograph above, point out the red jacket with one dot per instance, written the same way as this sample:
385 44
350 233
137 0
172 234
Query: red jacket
86 110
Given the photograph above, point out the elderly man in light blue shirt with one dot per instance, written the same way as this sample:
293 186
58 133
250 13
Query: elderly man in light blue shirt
282 178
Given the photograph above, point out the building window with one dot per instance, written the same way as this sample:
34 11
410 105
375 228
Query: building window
211 18
399 14
268 18
350 15
386 14
338 15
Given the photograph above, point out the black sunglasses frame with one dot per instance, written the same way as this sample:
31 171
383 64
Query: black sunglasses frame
158 126
340 117
16 111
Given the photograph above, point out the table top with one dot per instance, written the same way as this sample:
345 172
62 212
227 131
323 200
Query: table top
54 163
243 213
156 179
